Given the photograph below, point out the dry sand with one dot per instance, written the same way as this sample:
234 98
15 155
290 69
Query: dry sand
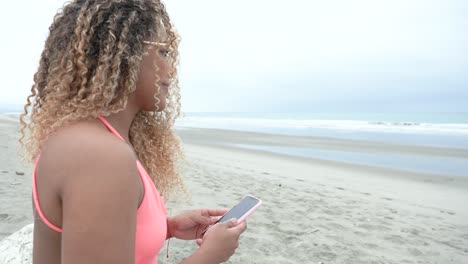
313 212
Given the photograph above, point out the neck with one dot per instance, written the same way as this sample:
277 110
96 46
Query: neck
122 121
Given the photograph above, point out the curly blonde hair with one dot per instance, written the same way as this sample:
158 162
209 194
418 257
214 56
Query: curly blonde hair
89 67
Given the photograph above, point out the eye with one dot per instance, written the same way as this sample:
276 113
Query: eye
165 53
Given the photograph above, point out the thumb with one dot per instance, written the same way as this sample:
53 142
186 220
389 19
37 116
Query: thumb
199 242
231 223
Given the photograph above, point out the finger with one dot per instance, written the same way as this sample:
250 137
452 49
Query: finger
240 228
216 212
202 220
215 219
199 242
231 223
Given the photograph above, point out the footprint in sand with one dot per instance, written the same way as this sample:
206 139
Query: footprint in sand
361 234
412 231
414 252
350 203
447 212
333 212
396 239
328 256
335 226
374 227
370 246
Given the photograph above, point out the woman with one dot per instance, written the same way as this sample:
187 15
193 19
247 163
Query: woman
104 101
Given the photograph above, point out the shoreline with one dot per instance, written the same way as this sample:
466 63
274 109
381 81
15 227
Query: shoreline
266 143
221 136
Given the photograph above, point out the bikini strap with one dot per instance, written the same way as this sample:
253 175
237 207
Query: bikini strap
111 128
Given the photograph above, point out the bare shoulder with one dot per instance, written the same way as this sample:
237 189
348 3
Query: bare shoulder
84 140
86 148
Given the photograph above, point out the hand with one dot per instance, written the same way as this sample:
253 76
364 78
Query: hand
190 225
220 241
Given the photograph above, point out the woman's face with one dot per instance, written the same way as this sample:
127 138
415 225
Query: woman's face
157 61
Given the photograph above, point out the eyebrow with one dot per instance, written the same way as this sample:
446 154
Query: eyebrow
155 43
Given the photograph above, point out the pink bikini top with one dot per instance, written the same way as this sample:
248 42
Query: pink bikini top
151 226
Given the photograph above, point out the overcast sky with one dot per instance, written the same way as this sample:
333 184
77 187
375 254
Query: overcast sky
288 56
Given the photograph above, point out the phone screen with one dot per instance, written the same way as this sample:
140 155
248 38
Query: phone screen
240 209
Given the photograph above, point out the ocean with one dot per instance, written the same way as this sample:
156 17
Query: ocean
443 130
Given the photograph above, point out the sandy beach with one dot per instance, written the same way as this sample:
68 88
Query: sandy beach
15 180
314 211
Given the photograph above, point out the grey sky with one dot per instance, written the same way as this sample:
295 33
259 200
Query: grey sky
260 55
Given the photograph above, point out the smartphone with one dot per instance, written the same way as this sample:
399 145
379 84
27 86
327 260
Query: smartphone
241 210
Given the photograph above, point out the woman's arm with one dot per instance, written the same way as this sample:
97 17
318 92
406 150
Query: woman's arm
198 257
100 201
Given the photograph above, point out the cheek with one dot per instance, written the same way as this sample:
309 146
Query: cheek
146 89
146 76
163 69
146 84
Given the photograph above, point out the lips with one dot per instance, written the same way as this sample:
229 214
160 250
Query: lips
165 87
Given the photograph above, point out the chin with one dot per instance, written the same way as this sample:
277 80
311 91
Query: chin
161 107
